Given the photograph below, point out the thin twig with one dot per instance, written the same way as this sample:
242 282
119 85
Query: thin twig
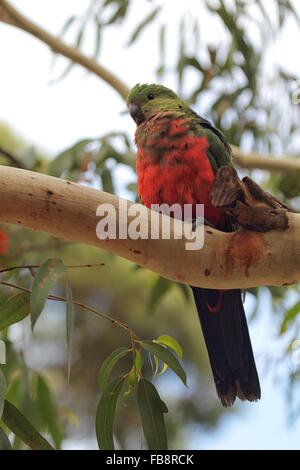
79 304
32 266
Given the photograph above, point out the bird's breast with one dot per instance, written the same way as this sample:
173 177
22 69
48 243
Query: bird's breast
173 166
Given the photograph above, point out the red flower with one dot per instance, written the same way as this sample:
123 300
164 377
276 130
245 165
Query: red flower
3 242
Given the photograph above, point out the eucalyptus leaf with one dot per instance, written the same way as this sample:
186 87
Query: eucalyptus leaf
172 343
290 184
67 25
185 290
2 391
69 324
15 309
152 410
290 315
62 163
98 40
160 288
47 411
165 356
106 414
149 18
21 427
133 376
45 279
4 441
108 366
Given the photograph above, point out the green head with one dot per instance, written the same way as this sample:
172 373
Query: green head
144 101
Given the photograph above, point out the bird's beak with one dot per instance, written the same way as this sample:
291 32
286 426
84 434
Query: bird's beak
136 113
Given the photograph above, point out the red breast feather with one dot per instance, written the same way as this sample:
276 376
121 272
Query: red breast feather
172 165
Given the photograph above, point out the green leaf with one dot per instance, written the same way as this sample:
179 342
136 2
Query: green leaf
67 25
98 40
160 288
62 163
120 12
152 410
166 356
4 441
157 367
156 360
63 74
290 184
107 181
172 343
47 411
166 340
181 58
80 37
72 63
2 391
164 406
63 30
21 427
14 310
264 13
69 325
149 18
185 290
162 43
133 376
162 46
70 159
192 62
3 349
289 316
108 365
133 187
44 281
106 414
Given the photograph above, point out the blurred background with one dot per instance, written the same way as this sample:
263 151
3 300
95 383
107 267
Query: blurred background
237 64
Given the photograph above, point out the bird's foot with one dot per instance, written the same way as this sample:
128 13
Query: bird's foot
196 222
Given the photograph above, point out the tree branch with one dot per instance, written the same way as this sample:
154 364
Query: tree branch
228 260
9 15
284 164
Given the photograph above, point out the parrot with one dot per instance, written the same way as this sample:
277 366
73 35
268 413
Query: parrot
178 155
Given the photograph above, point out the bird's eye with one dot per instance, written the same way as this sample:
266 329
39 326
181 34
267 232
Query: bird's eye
150 96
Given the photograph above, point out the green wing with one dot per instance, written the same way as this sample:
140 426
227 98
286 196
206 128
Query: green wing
219 151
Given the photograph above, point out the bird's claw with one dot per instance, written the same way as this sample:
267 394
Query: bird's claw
196 222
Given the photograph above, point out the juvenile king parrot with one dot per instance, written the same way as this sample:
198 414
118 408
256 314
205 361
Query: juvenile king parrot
178 156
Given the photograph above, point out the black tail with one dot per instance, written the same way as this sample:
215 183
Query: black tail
227 339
